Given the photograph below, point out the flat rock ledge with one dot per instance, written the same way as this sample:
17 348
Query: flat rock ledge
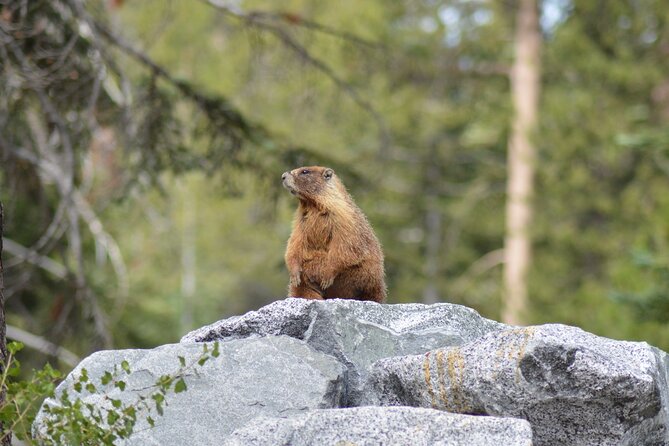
383 426
347 372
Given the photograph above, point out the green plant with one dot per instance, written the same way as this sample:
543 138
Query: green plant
24 396
71 420
648 296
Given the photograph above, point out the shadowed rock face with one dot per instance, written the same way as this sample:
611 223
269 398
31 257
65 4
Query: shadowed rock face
286 368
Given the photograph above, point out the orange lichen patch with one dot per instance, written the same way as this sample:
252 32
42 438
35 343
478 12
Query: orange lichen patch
527 333
442 378
428 380
514 348
450 373
456 372
513 344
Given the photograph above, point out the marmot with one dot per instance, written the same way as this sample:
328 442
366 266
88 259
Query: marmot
332 251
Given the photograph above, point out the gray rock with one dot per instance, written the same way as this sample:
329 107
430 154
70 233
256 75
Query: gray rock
270 376
357 333
574 388
383 426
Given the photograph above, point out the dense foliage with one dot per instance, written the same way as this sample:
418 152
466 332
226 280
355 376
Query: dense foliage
143 142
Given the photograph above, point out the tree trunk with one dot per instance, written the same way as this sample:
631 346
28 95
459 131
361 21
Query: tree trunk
6 440
521 157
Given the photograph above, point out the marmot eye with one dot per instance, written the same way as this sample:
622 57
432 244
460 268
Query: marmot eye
304 172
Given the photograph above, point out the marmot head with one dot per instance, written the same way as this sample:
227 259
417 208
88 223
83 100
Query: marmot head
312 183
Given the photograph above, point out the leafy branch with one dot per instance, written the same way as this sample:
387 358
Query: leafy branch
71 419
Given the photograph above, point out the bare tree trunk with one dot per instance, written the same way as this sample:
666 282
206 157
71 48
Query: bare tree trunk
525 86
6 437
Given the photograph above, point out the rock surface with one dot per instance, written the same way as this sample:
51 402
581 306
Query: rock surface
284 369
269 376
383 426
356 333
574 388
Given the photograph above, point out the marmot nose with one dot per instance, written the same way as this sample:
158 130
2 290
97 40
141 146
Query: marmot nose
284 176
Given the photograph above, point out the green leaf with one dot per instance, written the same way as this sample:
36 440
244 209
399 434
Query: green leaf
91 388
165 381
116 403
51 372
14 347
120 384
180 386
125 366
215 353
151 421
15 368
158 397
182 361
106 378
130 412
112 417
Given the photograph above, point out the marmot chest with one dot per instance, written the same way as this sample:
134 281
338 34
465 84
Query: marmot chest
317 228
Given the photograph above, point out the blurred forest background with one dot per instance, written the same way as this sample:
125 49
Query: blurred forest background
142 145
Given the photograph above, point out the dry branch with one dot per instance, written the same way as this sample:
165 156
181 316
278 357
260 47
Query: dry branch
258 20
42 345
23 254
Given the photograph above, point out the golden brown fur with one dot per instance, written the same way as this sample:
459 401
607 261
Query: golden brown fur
332 251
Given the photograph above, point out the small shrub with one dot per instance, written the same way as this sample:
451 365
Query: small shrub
71 421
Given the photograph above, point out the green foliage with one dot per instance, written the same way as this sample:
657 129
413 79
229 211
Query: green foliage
69 420
647 296
600 194
87 119
23 397
437 75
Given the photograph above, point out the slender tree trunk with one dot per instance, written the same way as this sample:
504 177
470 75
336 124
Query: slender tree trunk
6 440
525 79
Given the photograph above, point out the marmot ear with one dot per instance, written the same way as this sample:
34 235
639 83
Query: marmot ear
327 173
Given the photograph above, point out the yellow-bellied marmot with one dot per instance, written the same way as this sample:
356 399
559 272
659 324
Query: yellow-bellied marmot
332 251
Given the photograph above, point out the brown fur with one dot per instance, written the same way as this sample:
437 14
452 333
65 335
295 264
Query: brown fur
332 251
